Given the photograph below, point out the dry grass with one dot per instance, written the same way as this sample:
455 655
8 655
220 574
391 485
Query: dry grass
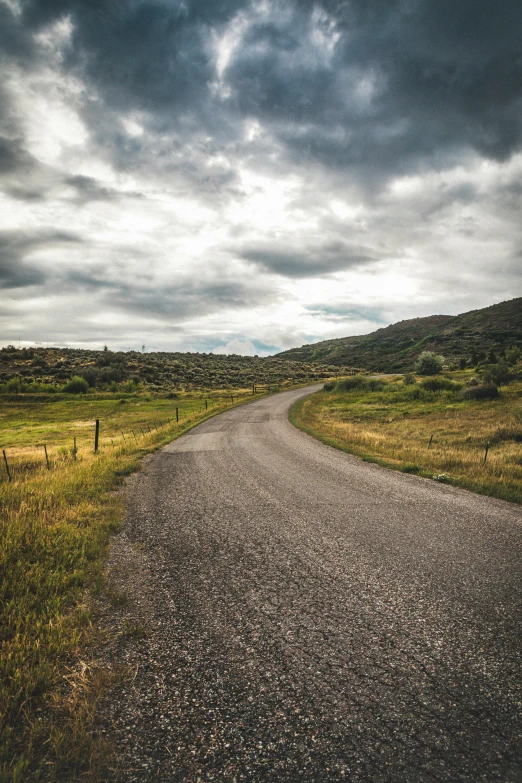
393 428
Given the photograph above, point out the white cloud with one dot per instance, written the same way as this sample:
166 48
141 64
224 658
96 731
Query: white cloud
240 347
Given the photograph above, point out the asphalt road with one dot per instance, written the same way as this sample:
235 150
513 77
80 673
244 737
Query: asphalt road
312 617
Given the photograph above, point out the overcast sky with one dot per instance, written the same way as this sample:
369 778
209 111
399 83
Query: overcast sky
247 177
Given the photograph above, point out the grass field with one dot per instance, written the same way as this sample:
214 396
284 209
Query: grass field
55 526
393 426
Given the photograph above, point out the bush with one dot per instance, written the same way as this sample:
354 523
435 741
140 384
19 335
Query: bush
440 384
486 391
348 384
409 379
429 363
328 387
360 382
14 386
498 374
91 375
76 385
513 355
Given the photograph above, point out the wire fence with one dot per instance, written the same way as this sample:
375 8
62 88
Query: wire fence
21 462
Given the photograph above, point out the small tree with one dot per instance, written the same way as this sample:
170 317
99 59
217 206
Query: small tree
429 363
77 385
499 374
513 355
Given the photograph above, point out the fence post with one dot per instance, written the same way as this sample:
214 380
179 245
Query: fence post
206 405
75 450
46 458
177 414
7 465
429 444
96 435
486 454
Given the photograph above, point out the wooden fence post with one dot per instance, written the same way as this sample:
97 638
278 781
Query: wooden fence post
96 435
429 444
75 450
177 414
7 465
46 458
486 454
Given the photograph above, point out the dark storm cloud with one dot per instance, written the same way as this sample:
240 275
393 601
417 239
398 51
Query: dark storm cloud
88 189
311 261
12 155
432 88
171 301
15 270
405 85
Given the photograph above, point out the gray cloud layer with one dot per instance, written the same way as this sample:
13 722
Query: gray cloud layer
341 98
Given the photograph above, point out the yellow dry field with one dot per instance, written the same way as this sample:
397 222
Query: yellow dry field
396 432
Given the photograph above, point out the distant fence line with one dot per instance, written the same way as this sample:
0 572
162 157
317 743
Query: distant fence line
14 468
47 460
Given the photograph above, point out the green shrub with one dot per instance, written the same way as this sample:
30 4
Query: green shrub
440 384
348 384
429 363
14 386
513 355
498 374
409 379
77 385
361 383
328 387
486 391
411 468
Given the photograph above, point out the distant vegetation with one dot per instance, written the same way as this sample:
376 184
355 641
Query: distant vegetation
52 370
457 428
467 340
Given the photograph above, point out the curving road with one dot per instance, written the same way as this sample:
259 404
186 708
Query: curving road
313 617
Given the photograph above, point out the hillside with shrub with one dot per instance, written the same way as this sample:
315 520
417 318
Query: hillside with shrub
70 370
464 340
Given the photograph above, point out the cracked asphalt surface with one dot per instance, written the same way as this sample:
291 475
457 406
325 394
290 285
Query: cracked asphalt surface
309 616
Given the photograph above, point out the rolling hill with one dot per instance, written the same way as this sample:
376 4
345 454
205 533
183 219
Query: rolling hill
395 348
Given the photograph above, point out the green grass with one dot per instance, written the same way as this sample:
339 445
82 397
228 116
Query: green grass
55 527
393 425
